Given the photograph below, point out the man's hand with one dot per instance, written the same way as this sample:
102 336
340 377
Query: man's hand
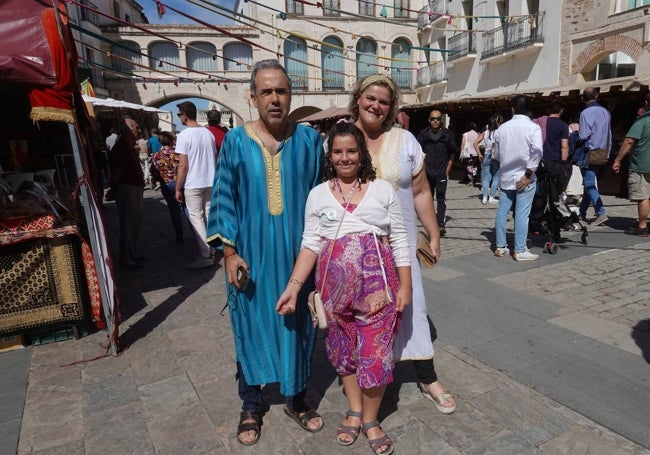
232 262
523 183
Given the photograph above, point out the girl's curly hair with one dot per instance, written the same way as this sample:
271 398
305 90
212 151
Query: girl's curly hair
343 128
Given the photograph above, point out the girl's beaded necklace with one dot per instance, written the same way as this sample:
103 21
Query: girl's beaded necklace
355 186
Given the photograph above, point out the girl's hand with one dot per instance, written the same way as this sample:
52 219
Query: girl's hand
403 298
287 301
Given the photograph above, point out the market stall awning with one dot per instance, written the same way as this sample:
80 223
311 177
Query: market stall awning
330 112
621 84
111 103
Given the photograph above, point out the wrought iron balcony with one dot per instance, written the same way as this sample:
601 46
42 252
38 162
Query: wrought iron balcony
333 81
299 80
88 15
435 72
403 77
515 34
434 11
463 44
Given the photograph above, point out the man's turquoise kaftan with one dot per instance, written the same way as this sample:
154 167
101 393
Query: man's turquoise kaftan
258 206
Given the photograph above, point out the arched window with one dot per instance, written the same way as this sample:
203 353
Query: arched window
366 57
401 65
237 57
202 56
164 56
124 55
332 64
295 56
614 65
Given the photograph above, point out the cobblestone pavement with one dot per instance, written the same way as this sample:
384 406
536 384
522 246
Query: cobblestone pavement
617 289
610 281
172 390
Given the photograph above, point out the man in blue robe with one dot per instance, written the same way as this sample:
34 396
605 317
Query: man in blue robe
265 171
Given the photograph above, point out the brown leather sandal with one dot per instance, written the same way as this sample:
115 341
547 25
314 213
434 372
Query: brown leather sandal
303 420
249 426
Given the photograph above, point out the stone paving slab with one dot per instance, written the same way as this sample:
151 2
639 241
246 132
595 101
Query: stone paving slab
14 371
614 287
612 333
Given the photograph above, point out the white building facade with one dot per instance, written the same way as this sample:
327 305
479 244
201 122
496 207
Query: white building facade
491 47
87 26
524 46
324 49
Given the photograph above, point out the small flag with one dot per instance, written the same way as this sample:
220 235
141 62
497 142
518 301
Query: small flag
161 9
87 88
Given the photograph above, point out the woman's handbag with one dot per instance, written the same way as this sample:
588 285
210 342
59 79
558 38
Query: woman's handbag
494 152
466 152
424 253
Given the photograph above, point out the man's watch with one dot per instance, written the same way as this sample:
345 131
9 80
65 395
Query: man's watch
528 174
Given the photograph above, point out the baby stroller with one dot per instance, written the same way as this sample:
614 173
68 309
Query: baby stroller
550 212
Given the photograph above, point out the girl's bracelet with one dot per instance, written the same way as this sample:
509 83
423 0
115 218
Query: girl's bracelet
296 282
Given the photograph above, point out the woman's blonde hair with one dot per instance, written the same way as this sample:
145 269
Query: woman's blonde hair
384 81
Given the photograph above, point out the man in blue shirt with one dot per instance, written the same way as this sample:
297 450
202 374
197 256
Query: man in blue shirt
595 123
154 146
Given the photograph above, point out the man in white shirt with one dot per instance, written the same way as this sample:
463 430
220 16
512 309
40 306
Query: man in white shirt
111 139
520 146
197 152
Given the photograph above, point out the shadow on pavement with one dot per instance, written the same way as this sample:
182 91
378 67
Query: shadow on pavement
641 336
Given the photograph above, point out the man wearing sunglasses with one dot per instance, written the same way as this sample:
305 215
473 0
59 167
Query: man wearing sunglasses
440 149
197 154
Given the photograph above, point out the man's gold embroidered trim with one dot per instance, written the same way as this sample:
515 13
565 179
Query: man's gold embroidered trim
273 177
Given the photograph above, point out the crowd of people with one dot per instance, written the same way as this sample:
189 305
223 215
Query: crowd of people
510 152
292 210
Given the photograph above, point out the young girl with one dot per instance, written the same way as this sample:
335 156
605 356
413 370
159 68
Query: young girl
355 233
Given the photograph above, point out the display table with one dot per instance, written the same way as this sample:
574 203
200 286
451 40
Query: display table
47 278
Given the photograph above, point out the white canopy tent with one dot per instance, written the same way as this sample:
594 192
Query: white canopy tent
110 102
